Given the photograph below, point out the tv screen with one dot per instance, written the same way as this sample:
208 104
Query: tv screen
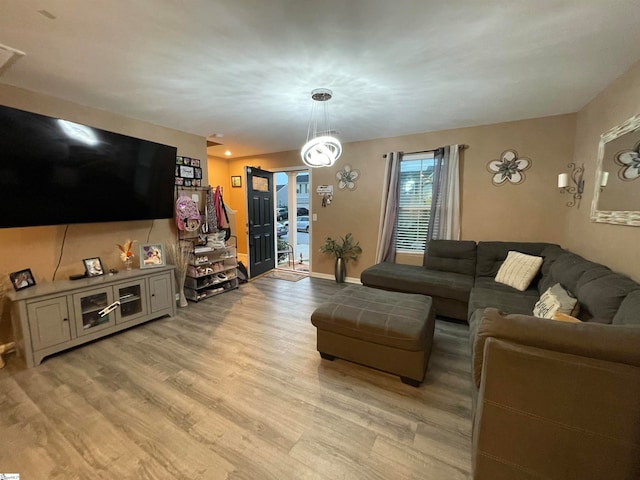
54 172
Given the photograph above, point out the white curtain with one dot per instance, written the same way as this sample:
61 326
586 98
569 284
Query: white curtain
445 207
386 249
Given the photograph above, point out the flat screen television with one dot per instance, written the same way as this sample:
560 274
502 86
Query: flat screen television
55 172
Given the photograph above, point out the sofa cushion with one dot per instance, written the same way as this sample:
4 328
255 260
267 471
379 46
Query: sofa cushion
629 311
506 301
556 300
601 296
518 270
490 283
492 254
550 254
569 267
417 279
457 256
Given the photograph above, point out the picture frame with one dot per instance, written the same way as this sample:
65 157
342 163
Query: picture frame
152 255
186 171
22 279
93 267
236 181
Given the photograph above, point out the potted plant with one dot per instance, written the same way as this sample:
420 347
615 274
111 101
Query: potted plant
344 250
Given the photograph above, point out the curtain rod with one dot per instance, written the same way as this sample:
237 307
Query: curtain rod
461 146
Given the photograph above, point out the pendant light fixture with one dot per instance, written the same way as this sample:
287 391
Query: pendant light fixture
321 149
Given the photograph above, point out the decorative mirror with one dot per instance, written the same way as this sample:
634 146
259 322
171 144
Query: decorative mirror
616 198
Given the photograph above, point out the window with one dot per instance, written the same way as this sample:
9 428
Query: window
414 205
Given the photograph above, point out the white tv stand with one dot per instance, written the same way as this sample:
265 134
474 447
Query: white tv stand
51 317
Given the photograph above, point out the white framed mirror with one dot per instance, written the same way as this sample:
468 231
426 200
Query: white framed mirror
616 197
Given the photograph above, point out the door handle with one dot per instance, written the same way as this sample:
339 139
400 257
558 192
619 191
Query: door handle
109 308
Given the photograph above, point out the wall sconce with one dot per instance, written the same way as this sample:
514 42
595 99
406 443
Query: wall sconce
577 189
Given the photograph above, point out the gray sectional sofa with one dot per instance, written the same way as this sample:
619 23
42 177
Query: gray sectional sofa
551 399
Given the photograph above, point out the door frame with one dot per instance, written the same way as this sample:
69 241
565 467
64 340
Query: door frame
294 236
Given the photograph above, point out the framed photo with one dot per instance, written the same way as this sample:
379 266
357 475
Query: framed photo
186 160
197 172
195 162
236 181
22 279
93 267
186 172
152 255
179 160
179 181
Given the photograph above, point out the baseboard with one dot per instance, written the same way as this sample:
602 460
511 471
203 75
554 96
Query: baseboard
328 276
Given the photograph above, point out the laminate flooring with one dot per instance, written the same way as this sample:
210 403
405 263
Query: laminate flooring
233 388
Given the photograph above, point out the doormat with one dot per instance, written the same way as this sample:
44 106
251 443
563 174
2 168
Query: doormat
289 276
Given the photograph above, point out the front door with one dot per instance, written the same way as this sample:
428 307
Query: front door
260 218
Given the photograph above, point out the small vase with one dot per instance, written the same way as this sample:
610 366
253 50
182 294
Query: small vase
340 270
182 299
128 263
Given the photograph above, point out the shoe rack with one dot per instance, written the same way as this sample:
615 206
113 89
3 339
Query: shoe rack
213 263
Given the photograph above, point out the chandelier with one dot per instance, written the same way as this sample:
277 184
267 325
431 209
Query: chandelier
321 149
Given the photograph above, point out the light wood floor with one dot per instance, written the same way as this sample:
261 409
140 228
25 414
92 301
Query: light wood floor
234 388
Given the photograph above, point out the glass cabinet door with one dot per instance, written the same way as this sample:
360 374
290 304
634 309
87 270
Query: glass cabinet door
91 311
132 301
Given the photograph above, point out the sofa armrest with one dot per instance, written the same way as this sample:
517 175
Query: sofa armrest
547 414
614 343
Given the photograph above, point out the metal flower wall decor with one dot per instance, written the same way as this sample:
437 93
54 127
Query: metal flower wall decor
629 160
509 168
347 178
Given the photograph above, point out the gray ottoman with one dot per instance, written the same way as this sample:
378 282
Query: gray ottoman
390 331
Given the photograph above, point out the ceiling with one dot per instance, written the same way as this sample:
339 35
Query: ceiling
246 68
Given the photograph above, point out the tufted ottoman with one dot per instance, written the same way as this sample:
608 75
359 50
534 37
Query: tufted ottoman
390 331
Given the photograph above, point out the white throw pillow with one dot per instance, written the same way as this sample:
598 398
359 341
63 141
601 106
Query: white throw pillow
518 270
556 300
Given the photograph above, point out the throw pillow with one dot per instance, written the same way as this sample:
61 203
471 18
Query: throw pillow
518 270
563 317
556 300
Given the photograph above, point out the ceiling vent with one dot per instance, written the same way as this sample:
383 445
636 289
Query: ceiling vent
8 56
212 140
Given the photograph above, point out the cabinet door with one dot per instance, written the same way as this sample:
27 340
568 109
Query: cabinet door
49 322
132 296
160 292
89 310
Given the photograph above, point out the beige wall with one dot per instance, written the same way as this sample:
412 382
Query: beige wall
40 248
613 245
533 210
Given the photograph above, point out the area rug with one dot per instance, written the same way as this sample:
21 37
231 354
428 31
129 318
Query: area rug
284 275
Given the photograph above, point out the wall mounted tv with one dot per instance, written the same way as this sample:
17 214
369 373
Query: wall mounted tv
55 172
